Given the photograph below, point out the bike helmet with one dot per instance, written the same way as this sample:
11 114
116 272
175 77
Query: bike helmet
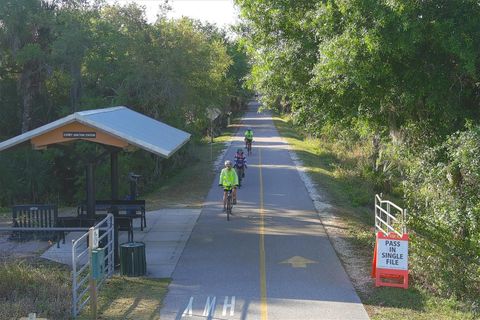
240 150
228 163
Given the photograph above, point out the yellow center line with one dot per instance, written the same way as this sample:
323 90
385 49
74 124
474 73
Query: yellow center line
263 277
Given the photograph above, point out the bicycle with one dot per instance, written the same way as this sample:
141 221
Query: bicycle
229 204
249 147
240 174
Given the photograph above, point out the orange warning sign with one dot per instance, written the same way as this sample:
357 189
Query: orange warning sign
390 260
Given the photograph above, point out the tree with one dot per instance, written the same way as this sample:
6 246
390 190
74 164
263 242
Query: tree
25 34
401 65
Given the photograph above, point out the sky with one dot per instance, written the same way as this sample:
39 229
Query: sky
220 12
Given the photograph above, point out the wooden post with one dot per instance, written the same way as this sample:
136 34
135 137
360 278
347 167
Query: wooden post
92 281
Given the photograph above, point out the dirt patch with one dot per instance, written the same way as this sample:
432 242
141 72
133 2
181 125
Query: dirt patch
354 259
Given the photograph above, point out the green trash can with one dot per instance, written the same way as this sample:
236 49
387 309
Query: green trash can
132 259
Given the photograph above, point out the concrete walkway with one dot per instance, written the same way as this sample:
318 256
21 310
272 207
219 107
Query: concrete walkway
165 236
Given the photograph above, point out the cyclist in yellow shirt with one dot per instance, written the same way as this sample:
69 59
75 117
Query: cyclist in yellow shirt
248 137
228 181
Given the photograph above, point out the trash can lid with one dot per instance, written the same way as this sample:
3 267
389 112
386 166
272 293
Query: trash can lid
132 244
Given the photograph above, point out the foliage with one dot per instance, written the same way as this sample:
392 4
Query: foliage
386 80
58 57
327 163
27 187
444 203
400 65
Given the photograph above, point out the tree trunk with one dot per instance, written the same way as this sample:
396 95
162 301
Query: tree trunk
30 83
26 88
375 151
396 134
75 90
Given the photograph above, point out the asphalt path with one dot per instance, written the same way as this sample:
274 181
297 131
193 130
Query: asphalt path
273 259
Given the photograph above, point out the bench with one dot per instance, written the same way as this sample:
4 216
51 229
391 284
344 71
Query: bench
35 216
126 208
74 222
124 223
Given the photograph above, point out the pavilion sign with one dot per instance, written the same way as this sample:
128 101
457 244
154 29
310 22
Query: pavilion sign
77 135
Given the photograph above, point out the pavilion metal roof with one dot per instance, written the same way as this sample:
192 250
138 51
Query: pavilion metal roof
120 122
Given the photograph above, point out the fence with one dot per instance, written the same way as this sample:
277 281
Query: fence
81 263
389 217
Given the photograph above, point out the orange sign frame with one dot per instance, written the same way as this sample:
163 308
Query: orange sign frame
389 277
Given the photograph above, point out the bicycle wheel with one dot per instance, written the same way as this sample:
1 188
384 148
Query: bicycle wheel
249 148
229 205
239 174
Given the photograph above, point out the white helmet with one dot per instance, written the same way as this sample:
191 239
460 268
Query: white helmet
228 163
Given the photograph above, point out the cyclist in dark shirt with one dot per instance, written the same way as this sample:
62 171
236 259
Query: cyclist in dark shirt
240 164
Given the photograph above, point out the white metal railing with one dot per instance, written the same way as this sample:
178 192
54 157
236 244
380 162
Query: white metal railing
81 269
389 217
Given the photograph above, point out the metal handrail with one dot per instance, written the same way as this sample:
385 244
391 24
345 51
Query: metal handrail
388 202
82 282
387 213
84 303
84 294
103 236
381 212
85 266
85 235
82 298
84 252
45 229
388 227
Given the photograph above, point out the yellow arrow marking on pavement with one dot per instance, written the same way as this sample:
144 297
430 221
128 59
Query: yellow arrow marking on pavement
298 262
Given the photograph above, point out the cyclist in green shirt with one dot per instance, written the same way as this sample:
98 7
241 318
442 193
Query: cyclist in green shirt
228 181
248 136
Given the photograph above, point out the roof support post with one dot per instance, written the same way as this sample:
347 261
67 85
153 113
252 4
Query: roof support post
114 173
91 190
114 194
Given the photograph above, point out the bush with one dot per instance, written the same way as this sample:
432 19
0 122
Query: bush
443 198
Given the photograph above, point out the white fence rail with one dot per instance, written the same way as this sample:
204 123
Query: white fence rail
81 259
389 217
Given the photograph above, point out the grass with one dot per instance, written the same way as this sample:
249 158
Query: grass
34 285
334 169
130 298
189 186
415 304
333 172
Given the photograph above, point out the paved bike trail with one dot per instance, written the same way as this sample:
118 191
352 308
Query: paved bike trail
273 259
